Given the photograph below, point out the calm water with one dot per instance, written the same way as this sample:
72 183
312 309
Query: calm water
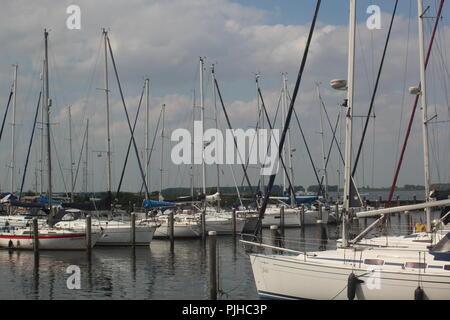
123 273
153 272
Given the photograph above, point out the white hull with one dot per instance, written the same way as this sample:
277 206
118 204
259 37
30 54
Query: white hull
20 221
292 217
118 236
224 226
324 277
115 233
47 240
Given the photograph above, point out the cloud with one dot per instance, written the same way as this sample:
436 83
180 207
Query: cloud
163 40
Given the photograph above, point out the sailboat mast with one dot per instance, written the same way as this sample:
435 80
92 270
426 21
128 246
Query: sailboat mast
108 133
213 79
349 117
349 114
202 119
261 126
424 103
48 104
13 135
322 134
162 153
43 106
192 144
71 156
147 140
86 159
289 146
283 119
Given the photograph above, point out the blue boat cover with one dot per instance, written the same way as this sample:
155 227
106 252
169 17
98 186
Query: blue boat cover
43 199
157 204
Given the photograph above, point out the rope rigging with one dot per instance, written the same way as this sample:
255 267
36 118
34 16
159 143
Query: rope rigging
289 114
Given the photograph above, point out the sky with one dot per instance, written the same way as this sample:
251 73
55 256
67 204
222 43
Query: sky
163 40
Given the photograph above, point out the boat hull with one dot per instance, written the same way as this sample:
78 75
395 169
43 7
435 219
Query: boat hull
292 218
119 236
115 233
224 226
75 241
180 230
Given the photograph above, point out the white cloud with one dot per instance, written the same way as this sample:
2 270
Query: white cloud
163 40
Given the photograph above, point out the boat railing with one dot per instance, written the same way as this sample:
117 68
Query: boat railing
286 244
266 246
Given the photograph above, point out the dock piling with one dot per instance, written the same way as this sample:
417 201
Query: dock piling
233 217
133 229
171 231
282 221
336 211
35 235
302 218
204 225
212 265
88 233
274 236
320 213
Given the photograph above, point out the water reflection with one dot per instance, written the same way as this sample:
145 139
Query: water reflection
35 291
154 272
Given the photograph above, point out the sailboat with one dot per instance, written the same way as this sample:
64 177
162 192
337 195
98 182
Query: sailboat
116 229
189 225
432 234
49 236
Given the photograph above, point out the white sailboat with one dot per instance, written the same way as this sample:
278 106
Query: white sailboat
115 233
49 237
354 271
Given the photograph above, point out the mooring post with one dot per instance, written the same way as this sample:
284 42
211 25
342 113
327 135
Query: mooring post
171 231
408 221
212 265
302 217
320 214
274 236
233 217
35 235
88 233
282 221
133 229
204 225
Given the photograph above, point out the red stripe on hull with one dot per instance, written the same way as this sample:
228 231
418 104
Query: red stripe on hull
44 237
41 249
